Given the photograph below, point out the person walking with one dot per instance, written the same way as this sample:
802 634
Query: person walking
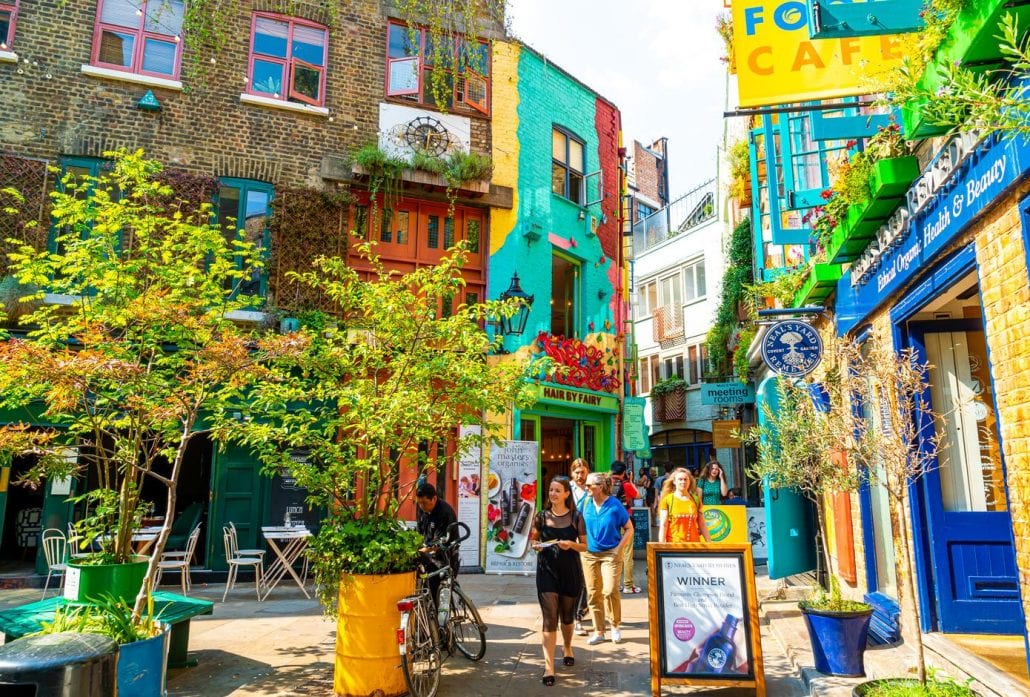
580 469
558 537
680 511
711 486
609 529
626 492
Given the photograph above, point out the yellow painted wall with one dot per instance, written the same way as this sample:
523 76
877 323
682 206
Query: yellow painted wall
505 153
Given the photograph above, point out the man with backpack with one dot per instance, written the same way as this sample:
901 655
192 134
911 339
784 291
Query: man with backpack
625 491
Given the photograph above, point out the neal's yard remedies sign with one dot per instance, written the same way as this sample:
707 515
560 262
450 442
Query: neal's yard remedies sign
965 178
704 617
792 348
721 393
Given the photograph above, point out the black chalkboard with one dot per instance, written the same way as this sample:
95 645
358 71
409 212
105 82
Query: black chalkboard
288 496
641 527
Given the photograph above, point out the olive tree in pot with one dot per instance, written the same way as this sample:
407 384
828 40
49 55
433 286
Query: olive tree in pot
367 401
803 443
137 348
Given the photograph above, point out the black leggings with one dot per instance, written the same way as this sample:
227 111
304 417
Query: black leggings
554 606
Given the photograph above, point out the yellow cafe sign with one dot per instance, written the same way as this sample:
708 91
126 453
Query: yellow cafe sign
777 62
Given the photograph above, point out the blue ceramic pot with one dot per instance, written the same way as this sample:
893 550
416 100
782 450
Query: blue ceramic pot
838 640
143 666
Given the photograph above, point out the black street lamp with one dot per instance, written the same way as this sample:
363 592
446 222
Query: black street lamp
516 324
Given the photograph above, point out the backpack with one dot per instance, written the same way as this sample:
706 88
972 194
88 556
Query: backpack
619 492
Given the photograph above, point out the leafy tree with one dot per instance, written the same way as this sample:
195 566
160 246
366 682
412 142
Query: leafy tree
398 372
137 348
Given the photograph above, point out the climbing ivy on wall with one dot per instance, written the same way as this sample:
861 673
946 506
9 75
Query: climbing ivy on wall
739 274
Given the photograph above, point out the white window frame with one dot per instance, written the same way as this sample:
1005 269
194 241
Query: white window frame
690 277
677 279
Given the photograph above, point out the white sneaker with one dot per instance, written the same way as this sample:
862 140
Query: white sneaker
596 639
616 636
580 629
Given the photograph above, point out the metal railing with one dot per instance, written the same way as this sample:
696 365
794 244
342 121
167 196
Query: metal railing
690 210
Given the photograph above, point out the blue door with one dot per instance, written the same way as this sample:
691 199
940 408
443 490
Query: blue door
976 588
789 525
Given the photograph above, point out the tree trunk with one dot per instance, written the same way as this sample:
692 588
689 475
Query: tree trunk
910 586
821 549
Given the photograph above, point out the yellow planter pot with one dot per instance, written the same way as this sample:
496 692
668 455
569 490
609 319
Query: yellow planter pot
367 657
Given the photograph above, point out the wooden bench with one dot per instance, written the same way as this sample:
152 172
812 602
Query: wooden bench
176 610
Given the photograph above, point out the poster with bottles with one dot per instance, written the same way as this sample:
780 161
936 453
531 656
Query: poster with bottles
511 483
705 616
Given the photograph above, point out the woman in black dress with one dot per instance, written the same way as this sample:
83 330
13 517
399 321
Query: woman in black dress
558 538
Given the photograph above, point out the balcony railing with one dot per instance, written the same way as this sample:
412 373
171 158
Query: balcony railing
669 406
685 213
668 325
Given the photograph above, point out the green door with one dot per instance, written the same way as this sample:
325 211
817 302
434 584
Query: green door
237 493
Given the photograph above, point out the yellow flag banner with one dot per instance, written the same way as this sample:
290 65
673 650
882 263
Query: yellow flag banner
777 62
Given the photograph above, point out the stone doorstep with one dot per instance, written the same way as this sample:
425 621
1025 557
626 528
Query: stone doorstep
787 626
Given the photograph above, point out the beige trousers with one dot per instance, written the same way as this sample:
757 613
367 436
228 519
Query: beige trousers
601 571
627 565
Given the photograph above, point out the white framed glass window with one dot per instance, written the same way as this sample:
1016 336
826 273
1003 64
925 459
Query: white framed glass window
670 291
694 277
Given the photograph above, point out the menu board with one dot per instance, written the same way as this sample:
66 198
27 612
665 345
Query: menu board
641 527
289 497
704 616
511 483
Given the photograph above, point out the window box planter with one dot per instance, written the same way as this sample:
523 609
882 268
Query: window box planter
820 282
888 183
971 41
418 176
669 406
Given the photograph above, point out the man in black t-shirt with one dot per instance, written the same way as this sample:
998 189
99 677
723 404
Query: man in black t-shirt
433 519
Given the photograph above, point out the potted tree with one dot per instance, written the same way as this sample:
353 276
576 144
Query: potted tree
369 403
802 443
121 367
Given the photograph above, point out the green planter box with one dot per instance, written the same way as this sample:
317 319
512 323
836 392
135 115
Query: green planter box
845 246
892 176
971 41
819 284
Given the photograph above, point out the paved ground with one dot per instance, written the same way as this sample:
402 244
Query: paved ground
284 647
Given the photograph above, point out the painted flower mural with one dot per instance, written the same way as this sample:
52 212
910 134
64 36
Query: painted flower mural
580 364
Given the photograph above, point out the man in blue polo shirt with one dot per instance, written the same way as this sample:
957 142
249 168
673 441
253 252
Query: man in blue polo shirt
609 529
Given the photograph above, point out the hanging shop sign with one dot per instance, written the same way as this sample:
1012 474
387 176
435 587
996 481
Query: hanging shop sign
634 428
792 348
964 179
569 397
777 62
724 433
703 617
511 483
722 393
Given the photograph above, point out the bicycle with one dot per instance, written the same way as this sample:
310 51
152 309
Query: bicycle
428 629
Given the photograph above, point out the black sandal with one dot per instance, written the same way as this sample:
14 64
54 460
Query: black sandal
549 680
568 660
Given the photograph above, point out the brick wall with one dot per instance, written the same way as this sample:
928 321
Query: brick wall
645 166
1005 292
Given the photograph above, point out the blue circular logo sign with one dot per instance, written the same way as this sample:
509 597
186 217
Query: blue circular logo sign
792 348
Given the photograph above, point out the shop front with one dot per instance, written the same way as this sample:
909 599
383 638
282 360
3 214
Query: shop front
569 423
943 278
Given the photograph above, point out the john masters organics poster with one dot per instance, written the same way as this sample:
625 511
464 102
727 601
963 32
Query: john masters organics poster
704 620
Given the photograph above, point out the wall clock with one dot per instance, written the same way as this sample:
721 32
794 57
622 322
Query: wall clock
427 135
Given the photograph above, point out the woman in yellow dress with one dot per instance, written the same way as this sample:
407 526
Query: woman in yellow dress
680 515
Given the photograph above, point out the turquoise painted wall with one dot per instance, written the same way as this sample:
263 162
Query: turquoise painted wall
547 98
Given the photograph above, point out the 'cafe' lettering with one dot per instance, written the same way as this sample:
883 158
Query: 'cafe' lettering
569 396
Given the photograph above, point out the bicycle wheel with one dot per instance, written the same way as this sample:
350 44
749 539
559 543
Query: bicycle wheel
467 628
421 659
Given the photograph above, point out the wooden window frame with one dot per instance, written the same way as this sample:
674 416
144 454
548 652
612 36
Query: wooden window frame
459 91
7 42
289 64
140 42
567 166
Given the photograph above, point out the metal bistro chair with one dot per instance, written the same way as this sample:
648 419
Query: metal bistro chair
243 552
55 547
179 561
235 561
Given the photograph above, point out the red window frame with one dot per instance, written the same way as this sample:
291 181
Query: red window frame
288 63
6 42
483 81
140 42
